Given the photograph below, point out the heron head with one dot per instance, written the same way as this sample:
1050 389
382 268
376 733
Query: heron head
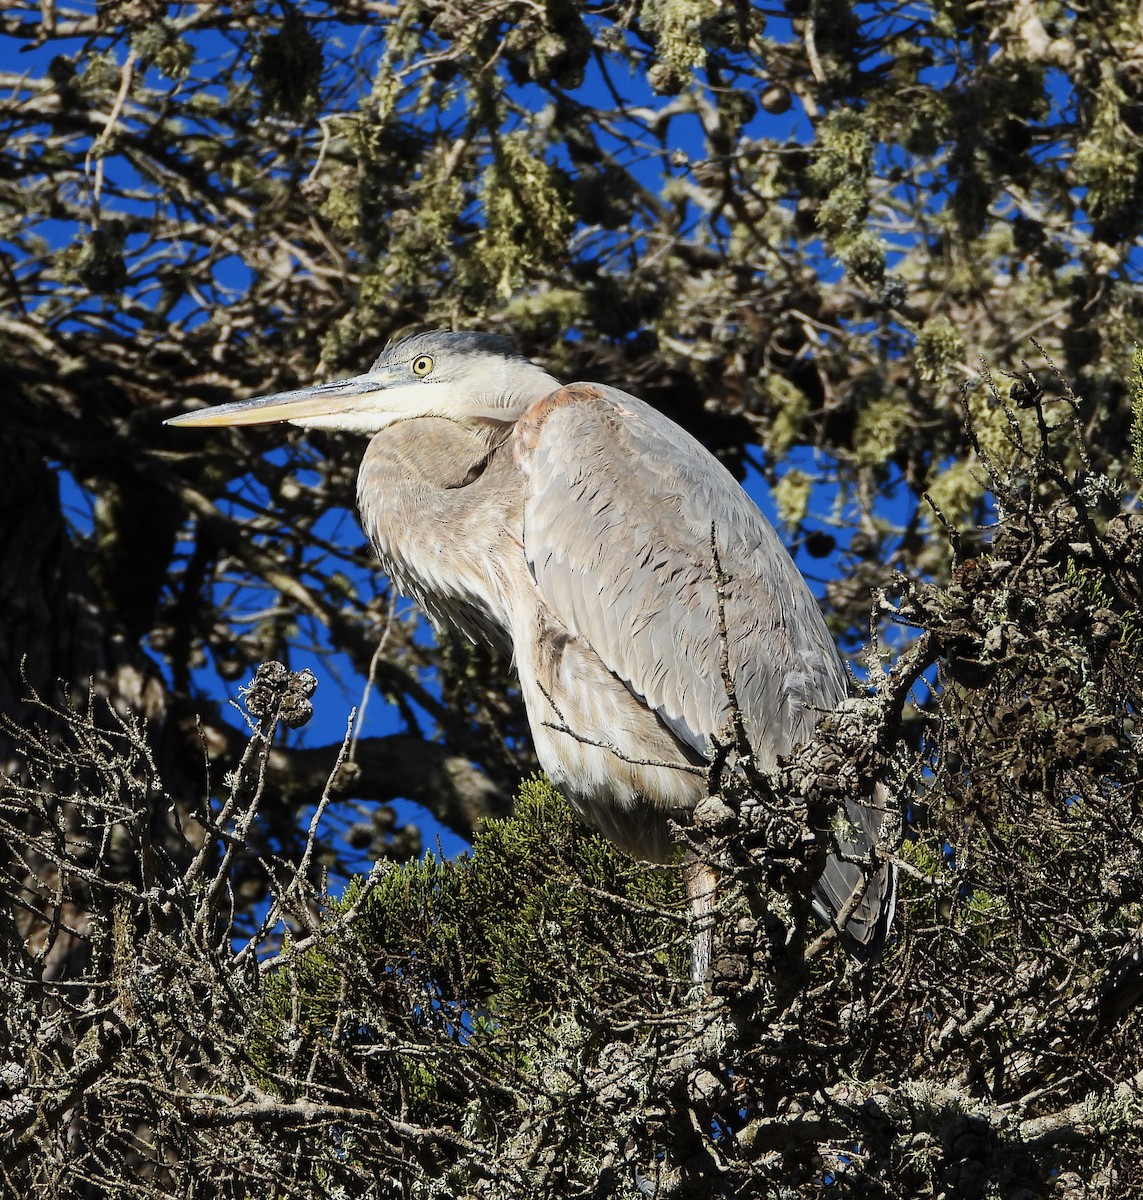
461 376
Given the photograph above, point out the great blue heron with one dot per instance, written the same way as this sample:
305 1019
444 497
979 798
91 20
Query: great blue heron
573 526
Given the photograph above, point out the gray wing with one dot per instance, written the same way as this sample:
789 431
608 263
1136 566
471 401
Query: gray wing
618 512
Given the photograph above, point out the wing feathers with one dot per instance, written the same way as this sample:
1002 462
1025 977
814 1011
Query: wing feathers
619 504
618 509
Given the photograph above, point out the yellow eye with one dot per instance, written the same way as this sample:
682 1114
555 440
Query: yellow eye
422 365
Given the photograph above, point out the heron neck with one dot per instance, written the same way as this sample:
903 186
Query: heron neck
511 396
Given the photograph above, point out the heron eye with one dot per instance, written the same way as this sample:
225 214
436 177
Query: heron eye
422 365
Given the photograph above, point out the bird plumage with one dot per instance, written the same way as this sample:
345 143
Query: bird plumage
579 536
573 525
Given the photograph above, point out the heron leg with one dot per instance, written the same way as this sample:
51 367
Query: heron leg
702 891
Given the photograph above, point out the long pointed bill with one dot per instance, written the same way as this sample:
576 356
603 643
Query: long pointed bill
332 404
